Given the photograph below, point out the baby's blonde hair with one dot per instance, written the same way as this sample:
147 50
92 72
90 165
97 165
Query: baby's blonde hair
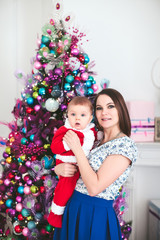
79 100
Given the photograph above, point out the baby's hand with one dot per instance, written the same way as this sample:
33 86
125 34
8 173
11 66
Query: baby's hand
72 140
65 169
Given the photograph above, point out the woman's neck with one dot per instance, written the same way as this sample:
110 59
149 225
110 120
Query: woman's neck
111 134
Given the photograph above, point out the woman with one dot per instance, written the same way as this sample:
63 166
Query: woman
89 214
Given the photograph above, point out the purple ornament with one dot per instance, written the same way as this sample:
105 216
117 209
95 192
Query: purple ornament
5 155
12 213
38 207
58 71
2 188
82 69
29 182
39 143
22 169
63 107
14 166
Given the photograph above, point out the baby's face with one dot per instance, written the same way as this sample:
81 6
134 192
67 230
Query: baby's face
79 116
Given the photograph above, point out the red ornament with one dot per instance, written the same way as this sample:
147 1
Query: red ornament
29 110
59 50
26 177
10 175
33 158
50 90
77 78
81 58
20 217
42 189
18 228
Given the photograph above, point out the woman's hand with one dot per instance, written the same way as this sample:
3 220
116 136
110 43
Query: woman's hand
72 140
65 169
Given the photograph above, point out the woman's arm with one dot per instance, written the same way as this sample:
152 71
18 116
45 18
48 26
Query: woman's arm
112 167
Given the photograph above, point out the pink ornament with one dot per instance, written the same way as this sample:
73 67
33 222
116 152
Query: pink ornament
37 108
95 87
19 199
25 231
27 190
52 45
39 98
7 182
45 54
19 207
36 194
49 31
75 51
65 42
82 69
28 163
84 76
37 65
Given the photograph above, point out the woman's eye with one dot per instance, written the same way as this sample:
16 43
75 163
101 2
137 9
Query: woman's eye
72 114
98 108
83 115
111 106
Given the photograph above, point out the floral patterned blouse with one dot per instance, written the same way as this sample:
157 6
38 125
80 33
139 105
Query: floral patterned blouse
122 146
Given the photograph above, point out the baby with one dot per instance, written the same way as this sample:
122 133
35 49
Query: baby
79 119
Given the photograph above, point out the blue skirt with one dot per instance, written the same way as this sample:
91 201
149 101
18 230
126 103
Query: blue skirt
88 218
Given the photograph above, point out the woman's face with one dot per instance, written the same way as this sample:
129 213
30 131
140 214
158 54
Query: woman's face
106 112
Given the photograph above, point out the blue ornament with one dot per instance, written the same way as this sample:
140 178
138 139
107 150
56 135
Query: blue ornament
47 162
91 78
24 130
31 225
67 86
90 91
31 137
69 78
30 101
75 72
42 45
25 212
52 51
9 203
56 92
42 91
51 105
24 141
45 39
88 83
20 189
86 59
38 216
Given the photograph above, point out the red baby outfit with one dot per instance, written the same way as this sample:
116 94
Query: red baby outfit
66 185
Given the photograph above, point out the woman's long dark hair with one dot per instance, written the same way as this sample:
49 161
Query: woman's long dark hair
117 98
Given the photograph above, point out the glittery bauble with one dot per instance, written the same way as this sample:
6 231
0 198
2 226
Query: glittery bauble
51 105
74 63
9 203
38 207
56 92
69 78
75 51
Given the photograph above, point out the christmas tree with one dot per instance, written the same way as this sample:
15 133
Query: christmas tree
60 71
